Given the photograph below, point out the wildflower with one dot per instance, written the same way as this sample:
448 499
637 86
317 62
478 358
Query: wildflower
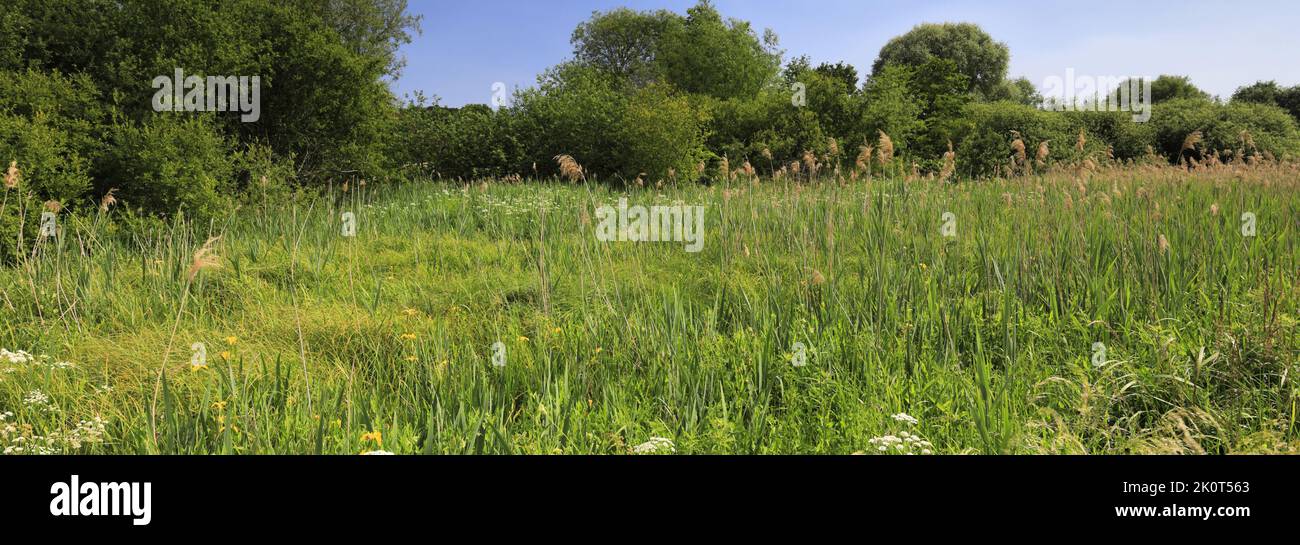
376 436
412 359
225 354
218 405
904 417
523 339
654 446
556 331
411 312
231 340
408 336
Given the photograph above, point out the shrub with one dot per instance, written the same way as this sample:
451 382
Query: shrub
1271 128
51 168
985 135
659 132
171 163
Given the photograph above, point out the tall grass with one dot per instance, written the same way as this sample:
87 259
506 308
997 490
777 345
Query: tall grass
321 343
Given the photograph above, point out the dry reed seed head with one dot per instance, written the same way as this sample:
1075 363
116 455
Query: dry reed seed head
748 169
13 175
1214 209
1018 151
1164 244
1040 156
1083 139
1191 141
204 258
885 148
109 200
864 156
817 278
794 167
1247 141
569 168
834 147
949 162
53 206
810 161
767 153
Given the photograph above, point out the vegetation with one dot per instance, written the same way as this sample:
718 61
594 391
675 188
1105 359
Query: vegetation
921 261
317 342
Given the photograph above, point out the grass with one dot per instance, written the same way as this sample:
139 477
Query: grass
320 343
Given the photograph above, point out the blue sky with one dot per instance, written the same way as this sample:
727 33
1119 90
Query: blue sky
466 46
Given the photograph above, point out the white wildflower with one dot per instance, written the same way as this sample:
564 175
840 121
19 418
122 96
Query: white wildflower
655 445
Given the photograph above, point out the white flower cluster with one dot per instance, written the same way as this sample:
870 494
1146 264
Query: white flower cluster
17 358
903 443
23 357
37 399
21 438
655 445
905 418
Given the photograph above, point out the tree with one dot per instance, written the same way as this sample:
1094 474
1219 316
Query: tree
1168 87
977 56
623 42
706 55
1269 92
1019 91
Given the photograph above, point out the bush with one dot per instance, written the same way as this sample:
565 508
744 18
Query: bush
984 135
51 168
171 163
1271 128
659 132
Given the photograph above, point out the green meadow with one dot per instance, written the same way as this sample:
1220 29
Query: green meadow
1121 311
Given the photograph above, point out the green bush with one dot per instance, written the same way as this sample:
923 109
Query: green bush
985 135
51 167
171 163
1272 128
659 132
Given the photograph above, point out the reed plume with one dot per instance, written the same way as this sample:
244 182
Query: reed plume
13 175
569 168
885 148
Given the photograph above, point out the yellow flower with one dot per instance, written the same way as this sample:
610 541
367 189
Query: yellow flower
200 367
218 405
923 267
411 312
408 336
412 359
376 436
231 340
221 419
556 331
599 349
225 354
523 339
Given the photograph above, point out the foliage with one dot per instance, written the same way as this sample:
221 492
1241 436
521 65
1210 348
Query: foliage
976 55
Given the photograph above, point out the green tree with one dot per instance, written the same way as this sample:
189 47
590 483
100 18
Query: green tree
1165 88
977 56
1269 92
624 42
722 59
